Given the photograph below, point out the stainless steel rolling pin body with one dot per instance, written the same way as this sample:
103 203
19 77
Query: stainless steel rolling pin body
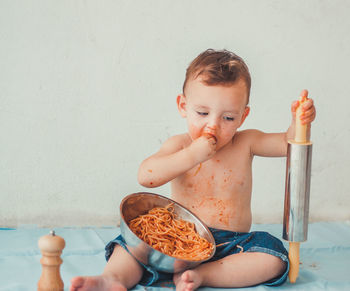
297 192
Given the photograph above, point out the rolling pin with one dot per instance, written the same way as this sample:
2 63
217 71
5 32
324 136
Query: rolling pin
297 190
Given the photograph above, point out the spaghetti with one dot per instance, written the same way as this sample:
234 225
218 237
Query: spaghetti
174 237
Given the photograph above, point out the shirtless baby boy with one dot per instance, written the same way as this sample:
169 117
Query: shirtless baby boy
210 170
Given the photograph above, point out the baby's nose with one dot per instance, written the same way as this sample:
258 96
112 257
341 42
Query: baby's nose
212 127
213 123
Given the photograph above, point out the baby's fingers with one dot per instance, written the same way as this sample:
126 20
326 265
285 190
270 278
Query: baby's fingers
295 105
210 137
307 104
303 95
308 116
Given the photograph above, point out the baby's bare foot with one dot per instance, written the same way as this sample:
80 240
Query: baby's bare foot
187 281
96 283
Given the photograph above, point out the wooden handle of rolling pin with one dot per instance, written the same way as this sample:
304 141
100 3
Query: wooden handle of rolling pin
301 130
301 137
293 261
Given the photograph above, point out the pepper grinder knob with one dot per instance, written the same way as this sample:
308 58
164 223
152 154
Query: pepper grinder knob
51 246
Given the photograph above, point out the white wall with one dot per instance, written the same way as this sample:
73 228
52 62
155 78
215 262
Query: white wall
88 88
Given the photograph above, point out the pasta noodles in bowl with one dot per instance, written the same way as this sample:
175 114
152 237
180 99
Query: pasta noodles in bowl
174 237
163 234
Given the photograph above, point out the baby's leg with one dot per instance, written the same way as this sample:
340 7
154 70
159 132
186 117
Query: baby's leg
238 270
121 273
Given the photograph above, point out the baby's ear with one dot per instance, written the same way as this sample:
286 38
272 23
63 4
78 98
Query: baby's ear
181 104
245 114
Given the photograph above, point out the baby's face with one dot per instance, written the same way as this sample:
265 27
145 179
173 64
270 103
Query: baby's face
218 110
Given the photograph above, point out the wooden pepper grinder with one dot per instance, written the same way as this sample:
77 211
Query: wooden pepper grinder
51 246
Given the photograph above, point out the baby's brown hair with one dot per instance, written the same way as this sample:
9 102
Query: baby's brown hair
218 67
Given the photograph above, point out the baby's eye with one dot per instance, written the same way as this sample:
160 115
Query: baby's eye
202 113
228 118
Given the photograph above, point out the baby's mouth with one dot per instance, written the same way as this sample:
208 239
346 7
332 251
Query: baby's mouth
210 135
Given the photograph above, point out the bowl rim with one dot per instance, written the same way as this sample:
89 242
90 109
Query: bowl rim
180 205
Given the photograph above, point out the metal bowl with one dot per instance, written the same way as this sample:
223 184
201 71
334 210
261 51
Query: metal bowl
140 203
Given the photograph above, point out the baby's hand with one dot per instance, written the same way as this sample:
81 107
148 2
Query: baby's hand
204 147
308 109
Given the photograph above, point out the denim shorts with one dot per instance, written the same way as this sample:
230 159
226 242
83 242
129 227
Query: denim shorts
227 243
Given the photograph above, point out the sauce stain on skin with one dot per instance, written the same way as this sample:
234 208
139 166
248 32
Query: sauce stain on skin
223 216
149 170
198 169
209 184
220 208
207 200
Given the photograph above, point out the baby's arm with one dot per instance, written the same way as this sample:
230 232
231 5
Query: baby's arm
176 156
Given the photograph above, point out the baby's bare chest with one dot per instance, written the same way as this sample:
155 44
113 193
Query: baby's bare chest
222 175
218 191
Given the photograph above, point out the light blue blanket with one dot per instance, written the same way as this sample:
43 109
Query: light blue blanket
325 257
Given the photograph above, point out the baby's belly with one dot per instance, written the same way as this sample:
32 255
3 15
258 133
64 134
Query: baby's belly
219 196
220 213
222 219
